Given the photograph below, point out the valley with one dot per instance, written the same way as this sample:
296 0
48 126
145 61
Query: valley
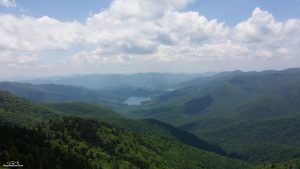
240 119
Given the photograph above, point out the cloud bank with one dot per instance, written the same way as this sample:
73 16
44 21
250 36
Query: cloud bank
8 3
137 35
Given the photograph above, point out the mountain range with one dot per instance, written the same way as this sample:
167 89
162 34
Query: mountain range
227 120
45 136
151 81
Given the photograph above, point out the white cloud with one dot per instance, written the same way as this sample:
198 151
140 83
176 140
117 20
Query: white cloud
147 32
190 27
261 27
37 34
267 37
139 9
8 3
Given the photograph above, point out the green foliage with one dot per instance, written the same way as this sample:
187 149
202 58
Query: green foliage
198 105
78 143
50 93
293 164
52 141
267 140
21 111
84 110
157 128
254 115
152 127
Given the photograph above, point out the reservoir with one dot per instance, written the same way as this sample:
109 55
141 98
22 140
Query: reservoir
135 101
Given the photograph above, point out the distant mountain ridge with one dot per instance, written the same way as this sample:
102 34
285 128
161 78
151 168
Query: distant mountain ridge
151 81
51 93
255 114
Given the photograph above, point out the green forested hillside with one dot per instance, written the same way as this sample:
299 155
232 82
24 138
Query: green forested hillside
148 126
40 137
20 111
253 114
82 109
228 95
79 143
157 128
274 140
50 93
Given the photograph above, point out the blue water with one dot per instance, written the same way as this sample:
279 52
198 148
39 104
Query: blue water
135 101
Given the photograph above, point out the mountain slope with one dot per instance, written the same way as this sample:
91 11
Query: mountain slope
21 111
78 143
241 111
62 142
51 93
82 109
114 81
17 109
152 127
231 95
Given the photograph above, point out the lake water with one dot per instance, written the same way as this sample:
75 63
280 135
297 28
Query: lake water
135 101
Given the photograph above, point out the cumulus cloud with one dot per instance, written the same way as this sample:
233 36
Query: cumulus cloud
141 32
261 27
139 9
8 3
37 34
266 37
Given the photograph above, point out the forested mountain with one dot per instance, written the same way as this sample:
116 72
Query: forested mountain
152 81
51 93
82 109
249 116
148 126
233 94
254 114
38 136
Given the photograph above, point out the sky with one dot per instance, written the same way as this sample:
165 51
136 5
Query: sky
53 37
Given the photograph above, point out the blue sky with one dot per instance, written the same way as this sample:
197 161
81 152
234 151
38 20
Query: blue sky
53 37
229 11
233 11
62 10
